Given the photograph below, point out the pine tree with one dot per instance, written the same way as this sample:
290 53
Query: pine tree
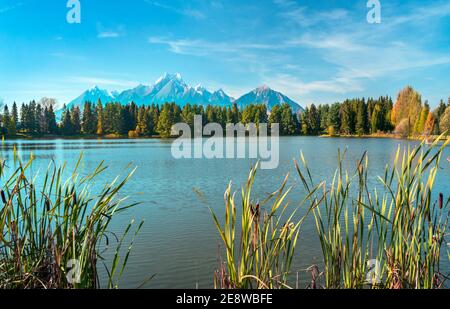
88 123
141 126
6 121
23 117
235 114
347 118
313 120
99 118
361 118
164 127
66 124
51 120
40 121
287 125
15 113
275 116
334 119
75 117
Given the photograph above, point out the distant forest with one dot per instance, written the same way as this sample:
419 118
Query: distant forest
408 116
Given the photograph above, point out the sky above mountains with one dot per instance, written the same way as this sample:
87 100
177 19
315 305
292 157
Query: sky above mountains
312 51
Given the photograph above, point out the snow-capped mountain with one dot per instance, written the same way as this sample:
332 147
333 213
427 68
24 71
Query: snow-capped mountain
269 97
168 88
92 95
136 95
172 88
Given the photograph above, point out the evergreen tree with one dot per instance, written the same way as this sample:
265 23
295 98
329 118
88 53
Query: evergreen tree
313 120
51 120
40 120
99 110
287 125
15 113
164 127
361 118
275 116
142 122
334 119
187 116
23 117
88 123
66 124
75 118
347 118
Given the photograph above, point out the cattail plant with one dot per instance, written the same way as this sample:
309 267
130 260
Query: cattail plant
49 227
399 226
260 246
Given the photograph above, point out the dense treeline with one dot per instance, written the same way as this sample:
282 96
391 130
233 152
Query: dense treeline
408 116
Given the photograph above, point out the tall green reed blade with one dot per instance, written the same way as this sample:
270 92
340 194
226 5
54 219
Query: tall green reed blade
260 246
403 229
49 227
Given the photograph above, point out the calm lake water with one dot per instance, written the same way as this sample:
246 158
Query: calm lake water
179 242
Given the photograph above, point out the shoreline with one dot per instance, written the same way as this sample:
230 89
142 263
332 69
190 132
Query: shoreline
120 137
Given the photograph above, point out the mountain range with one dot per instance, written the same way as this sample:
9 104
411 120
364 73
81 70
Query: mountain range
172 88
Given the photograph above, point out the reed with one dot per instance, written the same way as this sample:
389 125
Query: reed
260 246
397 230
54 233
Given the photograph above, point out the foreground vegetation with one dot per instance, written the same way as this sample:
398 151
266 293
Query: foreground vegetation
409 116
53 233
391 237
262 256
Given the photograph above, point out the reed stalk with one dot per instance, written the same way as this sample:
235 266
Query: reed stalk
260 246
53 233
399 230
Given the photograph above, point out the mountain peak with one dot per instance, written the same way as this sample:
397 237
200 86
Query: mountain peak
168 77
199 88
95 88
263 88
172 88
267 96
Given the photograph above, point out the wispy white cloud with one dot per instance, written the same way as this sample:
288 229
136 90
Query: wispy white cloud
303 16
189 12
108 34
198 47
327 41
296 87
105 33
423 13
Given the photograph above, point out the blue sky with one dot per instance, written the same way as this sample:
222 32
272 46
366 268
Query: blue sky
317 51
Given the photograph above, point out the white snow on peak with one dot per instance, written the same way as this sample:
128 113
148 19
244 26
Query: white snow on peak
263 88
172 88
169 77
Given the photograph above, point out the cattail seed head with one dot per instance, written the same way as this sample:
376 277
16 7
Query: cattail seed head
3 197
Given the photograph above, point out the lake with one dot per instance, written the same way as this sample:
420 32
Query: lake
179 242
